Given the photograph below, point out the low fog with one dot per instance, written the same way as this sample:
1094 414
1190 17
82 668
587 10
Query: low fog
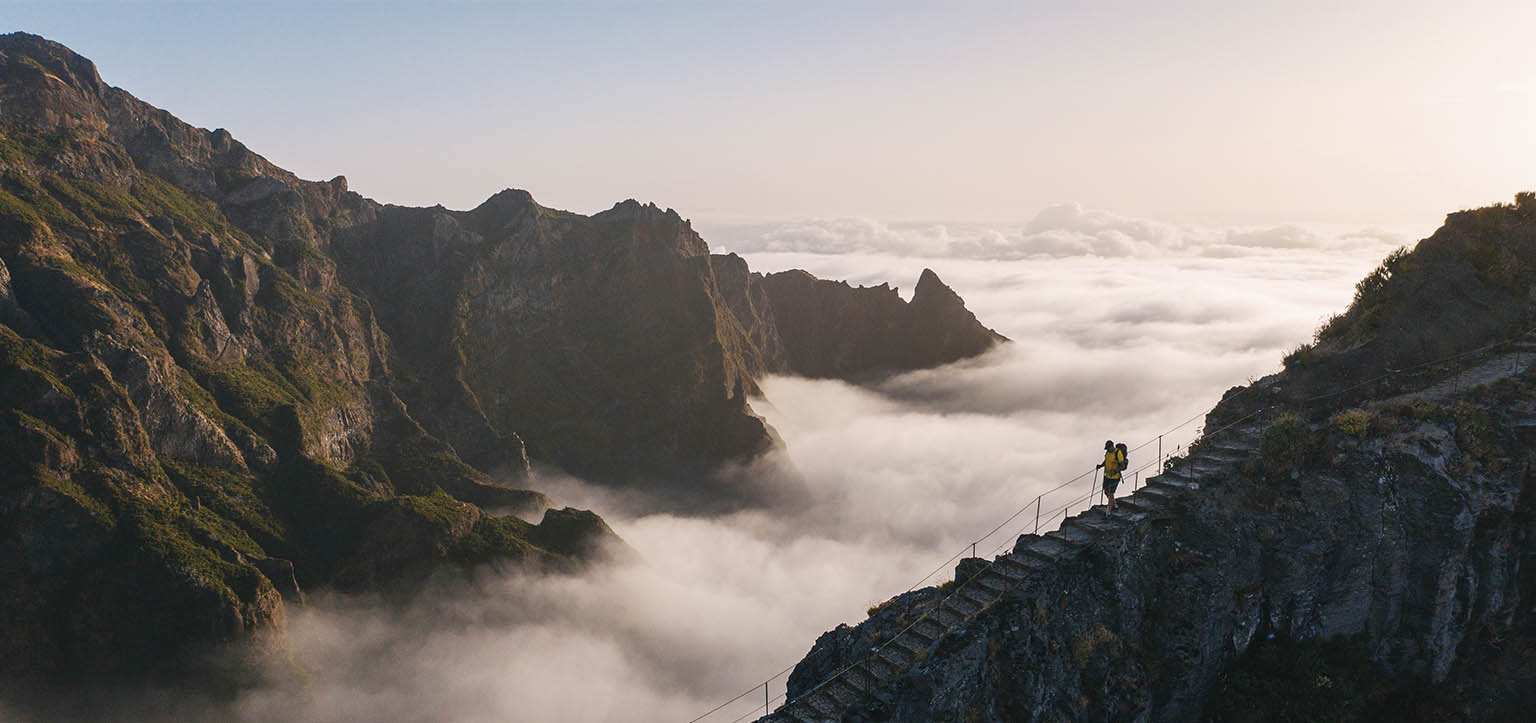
904 474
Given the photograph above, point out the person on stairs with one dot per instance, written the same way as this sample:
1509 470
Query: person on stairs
1114 463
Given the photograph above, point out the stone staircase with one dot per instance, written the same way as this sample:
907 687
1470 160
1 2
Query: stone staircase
1220 456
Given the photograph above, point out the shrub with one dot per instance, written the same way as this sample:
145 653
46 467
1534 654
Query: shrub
1302 355
1085 645
1351 423
1287 443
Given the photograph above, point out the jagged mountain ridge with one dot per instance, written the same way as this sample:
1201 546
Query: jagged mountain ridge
1385 530
223 384
830 329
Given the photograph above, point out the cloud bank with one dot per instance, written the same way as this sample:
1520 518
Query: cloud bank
903 474
1060 231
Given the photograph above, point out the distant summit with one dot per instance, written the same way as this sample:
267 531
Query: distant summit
830 329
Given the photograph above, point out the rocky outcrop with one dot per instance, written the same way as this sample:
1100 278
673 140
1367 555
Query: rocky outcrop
830 329
1472 280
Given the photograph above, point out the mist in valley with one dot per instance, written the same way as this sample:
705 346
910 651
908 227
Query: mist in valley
903 474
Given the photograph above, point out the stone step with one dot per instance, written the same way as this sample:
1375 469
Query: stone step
1008 566
1098 524
897 657
823 707
993 582
977 595
1035 564
948 618
1224 456
819 706
1037 556
1159 493
843 692
882 669
1206 469
860 677
1024 542
1054 547
911 643
1138 506
1074 534
930 627
1184 469
921 638
1175 482
962 605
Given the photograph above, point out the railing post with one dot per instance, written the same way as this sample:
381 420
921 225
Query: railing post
765 698
973 549
1037 513
1159 451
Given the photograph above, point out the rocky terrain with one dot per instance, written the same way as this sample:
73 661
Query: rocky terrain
1339 545
222 385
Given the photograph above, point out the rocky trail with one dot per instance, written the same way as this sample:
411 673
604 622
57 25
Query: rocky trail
1032 561
1518 356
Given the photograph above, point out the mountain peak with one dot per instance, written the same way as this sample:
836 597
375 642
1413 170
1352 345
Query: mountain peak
28 58
931 291
507 197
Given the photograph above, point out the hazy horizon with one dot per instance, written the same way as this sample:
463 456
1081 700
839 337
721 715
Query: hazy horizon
1358 112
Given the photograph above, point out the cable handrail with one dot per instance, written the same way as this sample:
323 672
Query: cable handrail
1038 500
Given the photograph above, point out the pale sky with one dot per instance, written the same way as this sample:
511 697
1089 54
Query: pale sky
1192 112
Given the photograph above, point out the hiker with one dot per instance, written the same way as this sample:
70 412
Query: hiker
1113 464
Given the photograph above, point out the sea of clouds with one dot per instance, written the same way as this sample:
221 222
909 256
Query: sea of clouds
1121 329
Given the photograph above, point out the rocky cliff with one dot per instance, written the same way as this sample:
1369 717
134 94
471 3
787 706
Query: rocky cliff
1324 552
221 385
830 329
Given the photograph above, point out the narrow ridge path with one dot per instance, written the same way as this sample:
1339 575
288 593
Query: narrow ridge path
1521 354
